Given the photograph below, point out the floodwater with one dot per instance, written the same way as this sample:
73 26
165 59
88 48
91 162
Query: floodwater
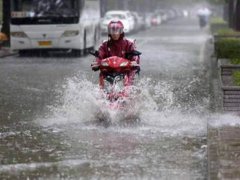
164 139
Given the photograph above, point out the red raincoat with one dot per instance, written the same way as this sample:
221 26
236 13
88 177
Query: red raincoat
116 48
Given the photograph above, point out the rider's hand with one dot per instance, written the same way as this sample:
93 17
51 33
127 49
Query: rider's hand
134 64
95 66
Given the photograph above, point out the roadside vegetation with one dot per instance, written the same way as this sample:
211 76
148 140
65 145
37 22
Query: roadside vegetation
227 48
1 9
235 61
236 78
217 23
228 32
226 44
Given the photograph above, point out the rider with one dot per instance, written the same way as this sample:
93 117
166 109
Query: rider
117 45
203 15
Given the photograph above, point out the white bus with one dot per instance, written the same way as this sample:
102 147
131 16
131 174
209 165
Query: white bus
70 25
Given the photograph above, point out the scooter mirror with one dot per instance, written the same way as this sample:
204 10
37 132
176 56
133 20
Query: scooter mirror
94 53
136 53
133 53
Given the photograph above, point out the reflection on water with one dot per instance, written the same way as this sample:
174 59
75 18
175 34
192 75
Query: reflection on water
166 143
76 150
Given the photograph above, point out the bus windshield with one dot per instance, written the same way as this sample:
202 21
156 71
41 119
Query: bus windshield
45 11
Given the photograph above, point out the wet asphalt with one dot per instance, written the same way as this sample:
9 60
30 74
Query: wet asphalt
48 107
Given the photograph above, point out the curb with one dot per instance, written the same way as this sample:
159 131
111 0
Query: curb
8 54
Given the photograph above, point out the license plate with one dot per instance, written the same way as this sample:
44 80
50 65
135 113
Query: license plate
44 43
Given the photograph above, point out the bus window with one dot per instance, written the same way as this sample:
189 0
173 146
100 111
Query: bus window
54 25
28 11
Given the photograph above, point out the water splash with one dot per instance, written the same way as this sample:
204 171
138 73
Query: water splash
77 103
228 119
154 104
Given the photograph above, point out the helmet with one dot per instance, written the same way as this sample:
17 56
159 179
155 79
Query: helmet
115 27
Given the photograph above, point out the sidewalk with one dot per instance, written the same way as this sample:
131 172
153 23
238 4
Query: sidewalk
5 51
224 152
223 140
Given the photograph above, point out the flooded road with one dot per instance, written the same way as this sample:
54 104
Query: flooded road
48 114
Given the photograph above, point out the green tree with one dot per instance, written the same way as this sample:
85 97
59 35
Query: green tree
1 9
233 7
217 1
6 19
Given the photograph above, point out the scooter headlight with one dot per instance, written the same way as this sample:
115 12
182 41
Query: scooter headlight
104 64
134 64
123 64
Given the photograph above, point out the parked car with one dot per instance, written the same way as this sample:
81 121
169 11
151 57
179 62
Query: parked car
148 20
139 21
156 19
124 16
163 14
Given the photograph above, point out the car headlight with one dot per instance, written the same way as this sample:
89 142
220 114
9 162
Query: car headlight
70 33
18 34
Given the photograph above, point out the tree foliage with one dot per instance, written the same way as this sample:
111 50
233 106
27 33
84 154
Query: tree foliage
1 10
217 1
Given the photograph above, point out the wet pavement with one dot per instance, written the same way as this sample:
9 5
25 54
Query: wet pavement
48 106
224 152
5 52
223 131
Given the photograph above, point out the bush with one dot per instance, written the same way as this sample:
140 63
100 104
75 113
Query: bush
217 24
235 61
227 32
236 78
1 12
227 48
217 20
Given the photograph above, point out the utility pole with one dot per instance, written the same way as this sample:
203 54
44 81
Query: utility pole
6 19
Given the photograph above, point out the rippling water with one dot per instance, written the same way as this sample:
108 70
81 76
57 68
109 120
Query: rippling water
165 139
